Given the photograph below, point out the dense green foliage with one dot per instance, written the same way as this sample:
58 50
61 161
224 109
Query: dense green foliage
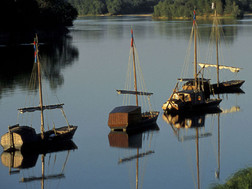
183 8
114 7
241 180
35 13
161 8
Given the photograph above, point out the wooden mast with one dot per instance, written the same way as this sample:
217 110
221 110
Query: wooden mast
217 50
40 87
195 50
134 65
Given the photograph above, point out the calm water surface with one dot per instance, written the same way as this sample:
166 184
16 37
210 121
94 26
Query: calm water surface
84 71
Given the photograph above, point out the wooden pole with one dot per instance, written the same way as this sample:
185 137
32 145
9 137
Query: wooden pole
134 66
40 90
195 52
217 49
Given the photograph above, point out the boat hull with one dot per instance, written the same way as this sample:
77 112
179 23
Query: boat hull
130 118
231 86
209 106
21 137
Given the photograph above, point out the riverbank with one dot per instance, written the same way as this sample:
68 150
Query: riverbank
204 17
102 15
199 17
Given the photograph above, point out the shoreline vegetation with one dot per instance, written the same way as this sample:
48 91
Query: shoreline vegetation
27 15
203 17
242 179
30 15
163 9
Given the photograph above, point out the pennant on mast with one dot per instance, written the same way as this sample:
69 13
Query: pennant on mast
35 52
194 17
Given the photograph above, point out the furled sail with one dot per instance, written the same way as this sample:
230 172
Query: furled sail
232 69
45 107
134 92
56 176
192 79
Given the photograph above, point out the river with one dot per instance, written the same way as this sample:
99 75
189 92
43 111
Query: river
85 68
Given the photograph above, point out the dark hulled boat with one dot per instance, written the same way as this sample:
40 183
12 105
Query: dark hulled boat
18 136
192 98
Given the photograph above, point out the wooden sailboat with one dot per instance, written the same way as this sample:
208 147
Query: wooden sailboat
18 136
231 86
193 99
131 117
225 86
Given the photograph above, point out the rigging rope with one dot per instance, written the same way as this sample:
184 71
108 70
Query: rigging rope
186 65
144 101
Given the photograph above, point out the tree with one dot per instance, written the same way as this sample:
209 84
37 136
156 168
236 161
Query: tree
114 6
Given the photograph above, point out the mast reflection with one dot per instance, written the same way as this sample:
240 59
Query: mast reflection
22 161
135 142
193 122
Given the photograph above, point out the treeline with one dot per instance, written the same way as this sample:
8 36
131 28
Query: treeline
27 14
113 7
161 8
183 8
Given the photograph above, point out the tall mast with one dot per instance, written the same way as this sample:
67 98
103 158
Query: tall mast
40 86
195 50
134 65
217 50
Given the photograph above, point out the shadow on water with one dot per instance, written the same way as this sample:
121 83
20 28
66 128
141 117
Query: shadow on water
191 127
20 162
136 147
17 57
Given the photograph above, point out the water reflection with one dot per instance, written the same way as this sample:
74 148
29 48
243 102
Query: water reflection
17 61
139 144
53 163
192 127
196 124
93 28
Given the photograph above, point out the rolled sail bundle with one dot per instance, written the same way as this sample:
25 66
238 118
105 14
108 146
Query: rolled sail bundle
45 107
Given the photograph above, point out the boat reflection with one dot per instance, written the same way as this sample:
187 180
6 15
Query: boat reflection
20 162
194 122
139 142
57 53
